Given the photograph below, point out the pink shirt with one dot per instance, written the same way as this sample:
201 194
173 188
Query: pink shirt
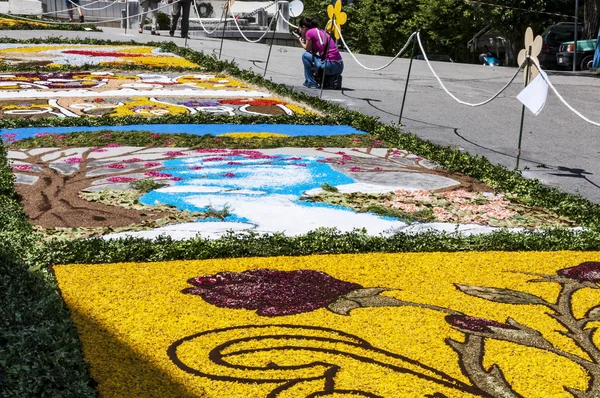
318 38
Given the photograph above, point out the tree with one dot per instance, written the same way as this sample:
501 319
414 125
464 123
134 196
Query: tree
591 16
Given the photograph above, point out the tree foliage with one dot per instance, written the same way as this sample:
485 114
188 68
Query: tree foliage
381 27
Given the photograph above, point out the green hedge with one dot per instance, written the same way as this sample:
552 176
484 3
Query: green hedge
40 354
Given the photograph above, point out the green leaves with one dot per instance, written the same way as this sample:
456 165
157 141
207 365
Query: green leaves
499 295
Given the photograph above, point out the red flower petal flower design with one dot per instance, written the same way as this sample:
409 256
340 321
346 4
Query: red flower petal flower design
271 292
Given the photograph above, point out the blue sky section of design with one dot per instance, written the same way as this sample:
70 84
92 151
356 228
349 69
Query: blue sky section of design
292 130
272 179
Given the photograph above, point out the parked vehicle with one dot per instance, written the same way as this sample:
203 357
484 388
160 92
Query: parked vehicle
552 38
585 54
489 59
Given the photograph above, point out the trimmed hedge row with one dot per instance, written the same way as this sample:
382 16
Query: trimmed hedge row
40 353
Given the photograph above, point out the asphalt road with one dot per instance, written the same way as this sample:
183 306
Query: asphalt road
558 147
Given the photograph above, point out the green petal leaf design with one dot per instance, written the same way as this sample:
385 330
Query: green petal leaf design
343 306
500 295
593 314
367 292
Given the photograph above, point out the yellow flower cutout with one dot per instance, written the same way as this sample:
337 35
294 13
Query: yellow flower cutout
336 14
536 48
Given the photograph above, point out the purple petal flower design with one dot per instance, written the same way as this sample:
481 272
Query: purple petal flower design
271 292
588 271
474 324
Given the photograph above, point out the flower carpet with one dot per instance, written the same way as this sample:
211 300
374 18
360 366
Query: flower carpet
57 55
172 226
375 325
73 95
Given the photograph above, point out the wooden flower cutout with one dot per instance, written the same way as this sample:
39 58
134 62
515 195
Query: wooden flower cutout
536 48
336 14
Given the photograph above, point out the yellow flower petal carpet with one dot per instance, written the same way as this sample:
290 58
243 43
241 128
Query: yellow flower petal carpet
372 325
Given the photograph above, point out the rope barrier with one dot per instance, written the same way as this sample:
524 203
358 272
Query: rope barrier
96 22
565 103
242 33
286 21
366 67
452 95
92 9
202 25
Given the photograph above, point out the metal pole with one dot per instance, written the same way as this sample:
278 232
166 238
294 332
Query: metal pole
126 15
272 40
527 69
226 10
55 10
575 36
412 55
325 57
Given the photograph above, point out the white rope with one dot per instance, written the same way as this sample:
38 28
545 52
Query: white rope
535 63
366 67
200 19
452 95
96 22
286 21
91 9
240 30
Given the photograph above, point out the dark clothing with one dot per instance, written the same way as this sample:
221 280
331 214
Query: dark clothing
181 9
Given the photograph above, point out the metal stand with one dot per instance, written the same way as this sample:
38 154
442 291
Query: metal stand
575 36
224 27
272 40
325 58
127 15
527 69
412 55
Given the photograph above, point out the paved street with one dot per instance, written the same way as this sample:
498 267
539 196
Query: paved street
558 147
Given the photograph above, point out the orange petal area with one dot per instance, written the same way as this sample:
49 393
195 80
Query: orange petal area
141 334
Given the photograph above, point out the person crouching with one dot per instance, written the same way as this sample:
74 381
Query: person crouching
321 54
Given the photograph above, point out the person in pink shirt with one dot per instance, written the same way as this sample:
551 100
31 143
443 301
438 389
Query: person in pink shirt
322 52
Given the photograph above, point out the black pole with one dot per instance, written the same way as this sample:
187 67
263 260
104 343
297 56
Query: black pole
224 27
575 36
412 55
527 69
325 56
272 40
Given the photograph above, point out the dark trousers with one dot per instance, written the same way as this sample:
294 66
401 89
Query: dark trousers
182 6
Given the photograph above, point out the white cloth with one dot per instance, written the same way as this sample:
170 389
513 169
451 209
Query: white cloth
534 95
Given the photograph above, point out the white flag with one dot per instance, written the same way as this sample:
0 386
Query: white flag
534 95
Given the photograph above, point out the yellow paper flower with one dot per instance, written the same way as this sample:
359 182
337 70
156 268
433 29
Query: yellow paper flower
337 16
536 48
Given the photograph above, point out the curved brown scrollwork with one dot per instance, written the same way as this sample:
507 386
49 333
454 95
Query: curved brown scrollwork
277 338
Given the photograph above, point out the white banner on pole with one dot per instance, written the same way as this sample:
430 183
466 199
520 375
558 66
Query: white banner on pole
534 95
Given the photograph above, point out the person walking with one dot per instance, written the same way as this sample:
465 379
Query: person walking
153 5
74 4
181 8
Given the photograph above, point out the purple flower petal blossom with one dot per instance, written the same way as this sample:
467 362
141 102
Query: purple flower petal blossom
115 166
588 271
152 164
22 167
271 292
120 179
474 324
73 160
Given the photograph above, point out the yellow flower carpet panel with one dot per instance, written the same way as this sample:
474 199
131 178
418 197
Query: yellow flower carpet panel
57 55
436 325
